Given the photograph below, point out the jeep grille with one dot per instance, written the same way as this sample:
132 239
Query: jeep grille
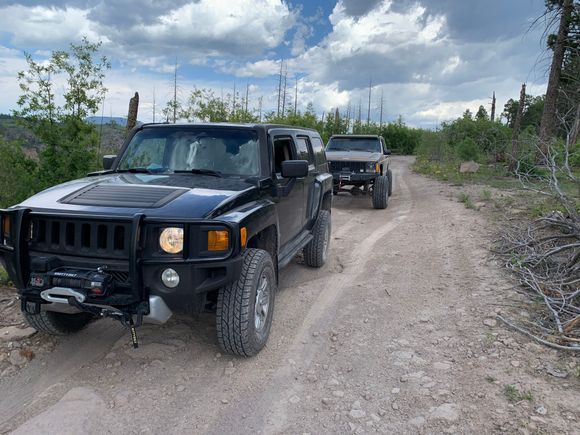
346 166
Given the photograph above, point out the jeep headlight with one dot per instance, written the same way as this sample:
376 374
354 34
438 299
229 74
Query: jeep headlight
171 240
373 167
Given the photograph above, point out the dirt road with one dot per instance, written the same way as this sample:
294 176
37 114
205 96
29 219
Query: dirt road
388 337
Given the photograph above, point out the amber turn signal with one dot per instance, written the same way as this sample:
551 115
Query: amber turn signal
243 236
218 240
6 226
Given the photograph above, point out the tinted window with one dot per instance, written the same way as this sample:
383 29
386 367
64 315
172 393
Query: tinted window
302 146
317 145
354 144
166 149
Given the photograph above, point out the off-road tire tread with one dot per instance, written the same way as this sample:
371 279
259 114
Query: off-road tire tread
390 177
233 306
380 192
314 250
59 324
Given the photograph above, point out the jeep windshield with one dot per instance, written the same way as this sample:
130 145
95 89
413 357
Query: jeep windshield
200 151
354 144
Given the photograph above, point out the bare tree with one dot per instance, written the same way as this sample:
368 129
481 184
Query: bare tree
548 122
280 87
133 111
175 93
369 109
493 107
515 152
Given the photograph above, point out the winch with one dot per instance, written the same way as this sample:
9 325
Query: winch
93 283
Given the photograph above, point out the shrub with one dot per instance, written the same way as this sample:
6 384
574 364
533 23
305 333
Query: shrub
467 150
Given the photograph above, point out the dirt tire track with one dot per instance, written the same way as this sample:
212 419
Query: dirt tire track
387 337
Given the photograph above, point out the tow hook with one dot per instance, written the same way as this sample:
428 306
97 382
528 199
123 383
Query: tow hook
124 317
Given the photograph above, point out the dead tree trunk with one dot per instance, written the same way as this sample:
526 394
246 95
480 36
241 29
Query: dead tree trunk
548 122
575 131
515 152
493 107
133 110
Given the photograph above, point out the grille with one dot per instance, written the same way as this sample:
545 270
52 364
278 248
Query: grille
81 237
119 277
345 166
119 195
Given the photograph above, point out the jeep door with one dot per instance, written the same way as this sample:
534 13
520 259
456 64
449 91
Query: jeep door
312 189
291 207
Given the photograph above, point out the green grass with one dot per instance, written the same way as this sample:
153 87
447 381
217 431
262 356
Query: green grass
466 200
512 393
4 280
491 175
532 204
486 195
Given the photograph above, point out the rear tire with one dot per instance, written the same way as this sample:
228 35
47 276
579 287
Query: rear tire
316 251
381 192
54 323
245 307
390 177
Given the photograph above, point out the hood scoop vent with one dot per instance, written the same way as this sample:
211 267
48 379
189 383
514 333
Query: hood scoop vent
120 195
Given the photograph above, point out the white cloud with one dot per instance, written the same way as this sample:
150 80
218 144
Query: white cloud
261 68
46 27
449 110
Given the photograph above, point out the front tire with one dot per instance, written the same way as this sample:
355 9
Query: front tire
59 324
381 192
316 251
245 307
390 177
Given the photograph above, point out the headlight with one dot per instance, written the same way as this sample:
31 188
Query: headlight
171 240
371 166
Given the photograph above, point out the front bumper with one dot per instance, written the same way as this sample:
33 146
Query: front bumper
353 177
137 277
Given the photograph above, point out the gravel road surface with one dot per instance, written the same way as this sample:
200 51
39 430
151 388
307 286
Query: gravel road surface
396 334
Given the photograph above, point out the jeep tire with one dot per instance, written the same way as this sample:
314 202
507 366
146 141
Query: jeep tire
54 323
316 251
381 192
390 177
245 307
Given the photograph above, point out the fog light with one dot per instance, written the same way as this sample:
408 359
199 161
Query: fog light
170 278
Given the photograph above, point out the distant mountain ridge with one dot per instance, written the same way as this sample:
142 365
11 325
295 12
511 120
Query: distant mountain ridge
111 135
98 120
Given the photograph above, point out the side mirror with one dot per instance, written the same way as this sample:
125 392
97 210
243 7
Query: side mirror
387 152
108 162
294 168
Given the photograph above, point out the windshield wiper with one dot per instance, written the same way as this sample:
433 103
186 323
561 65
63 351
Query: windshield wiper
135 171
209 172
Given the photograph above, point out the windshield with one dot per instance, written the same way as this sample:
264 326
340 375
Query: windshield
371 145
169 149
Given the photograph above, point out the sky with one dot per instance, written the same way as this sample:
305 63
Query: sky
429 59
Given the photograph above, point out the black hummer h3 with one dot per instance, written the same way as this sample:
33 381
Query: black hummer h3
186 217
361 164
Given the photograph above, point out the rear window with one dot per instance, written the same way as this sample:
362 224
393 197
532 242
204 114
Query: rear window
372 145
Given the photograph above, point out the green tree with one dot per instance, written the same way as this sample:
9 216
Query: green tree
481 113
532 114
69 142
18 174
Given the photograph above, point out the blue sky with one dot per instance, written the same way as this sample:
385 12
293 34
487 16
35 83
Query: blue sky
430 59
